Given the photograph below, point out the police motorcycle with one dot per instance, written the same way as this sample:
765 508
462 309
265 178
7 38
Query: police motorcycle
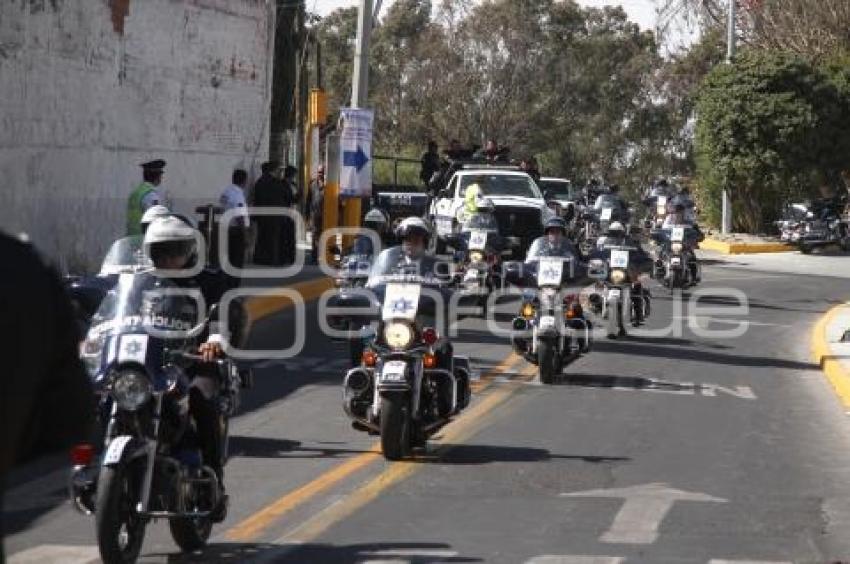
355 266
619 295
478 254
139 353
409 383
354 269
550 330
677 266
824 224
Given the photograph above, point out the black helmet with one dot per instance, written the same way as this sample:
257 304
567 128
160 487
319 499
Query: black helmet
555 223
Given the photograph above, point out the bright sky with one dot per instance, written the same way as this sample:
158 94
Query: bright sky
640 11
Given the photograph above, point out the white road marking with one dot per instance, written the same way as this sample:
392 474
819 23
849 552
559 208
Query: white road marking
407 556
570 559
644 508
742 392
706 390
56 553
716 561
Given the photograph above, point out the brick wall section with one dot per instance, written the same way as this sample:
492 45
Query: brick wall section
91 88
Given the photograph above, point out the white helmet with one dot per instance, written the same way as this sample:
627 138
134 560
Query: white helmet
413 225
616 227
152 213
170 236
377 218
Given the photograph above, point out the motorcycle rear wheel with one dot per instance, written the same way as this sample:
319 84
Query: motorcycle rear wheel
190 534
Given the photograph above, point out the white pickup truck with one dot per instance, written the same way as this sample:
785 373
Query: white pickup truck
520 208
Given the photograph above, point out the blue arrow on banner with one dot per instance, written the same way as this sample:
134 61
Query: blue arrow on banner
357 159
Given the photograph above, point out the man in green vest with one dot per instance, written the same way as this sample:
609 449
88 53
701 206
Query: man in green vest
145 195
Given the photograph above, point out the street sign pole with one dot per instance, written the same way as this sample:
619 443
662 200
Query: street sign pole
726 220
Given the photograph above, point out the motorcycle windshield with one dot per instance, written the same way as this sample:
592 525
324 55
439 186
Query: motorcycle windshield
481 222
391 266
125 256
138 320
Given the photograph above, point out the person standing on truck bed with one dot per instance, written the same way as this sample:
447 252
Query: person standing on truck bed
430 163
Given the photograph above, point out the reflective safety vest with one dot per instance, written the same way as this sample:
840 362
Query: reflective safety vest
471 199
134 208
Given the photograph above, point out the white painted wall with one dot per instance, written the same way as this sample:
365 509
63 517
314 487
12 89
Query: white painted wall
83 102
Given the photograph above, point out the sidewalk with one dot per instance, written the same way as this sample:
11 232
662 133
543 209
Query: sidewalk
835 265
832 355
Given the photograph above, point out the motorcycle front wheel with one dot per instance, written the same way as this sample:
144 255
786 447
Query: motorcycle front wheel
395 426
120 531
546 361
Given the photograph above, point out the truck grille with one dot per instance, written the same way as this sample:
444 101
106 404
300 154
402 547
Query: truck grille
524 223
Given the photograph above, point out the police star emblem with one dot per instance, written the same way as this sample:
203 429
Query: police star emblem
133 348
402 305
550 272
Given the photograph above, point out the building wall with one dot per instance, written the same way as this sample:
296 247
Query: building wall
91 88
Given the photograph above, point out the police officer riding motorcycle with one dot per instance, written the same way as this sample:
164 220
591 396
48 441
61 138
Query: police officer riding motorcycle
354 268
165 401
479 252
677 265
617 264
550 329
409 383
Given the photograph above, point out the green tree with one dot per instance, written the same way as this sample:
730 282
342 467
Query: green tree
767 122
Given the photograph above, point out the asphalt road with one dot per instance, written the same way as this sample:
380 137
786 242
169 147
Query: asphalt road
679 444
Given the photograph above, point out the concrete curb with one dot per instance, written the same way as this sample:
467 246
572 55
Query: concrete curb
832 356
744 248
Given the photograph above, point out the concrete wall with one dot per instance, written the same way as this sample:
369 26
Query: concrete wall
91 88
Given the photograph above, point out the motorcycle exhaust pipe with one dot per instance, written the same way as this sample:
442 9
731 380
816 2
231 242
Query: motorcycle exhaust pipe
357 380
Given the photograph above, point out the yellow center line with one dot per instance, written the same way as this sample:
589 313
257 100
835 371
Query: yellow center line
253 526
260 306
465 427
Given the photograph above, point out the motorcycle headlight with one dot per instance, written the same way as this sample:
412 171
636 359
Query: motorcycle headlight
398 335
90 353
527 311
676 247
476 256
618 276
131 390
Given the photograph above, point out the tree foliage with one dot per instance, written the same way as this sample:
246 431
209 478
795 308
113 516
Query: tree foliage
550 78
768 123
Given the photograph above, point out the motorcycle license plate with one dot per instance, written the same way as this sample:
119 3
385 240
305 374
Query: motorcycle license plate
393 371
471 275
613 293
676 261
477 240
619 259
547 322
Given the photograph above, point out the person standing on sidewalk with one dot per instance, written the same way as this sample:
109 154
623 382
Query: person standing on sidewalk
145 195
270 192
317 209
232 198
289 243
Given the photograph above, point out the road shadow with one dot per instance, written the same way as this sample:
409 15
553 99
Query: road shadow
696 355
672 341
264 447
462 454
734 302
314 553
623 382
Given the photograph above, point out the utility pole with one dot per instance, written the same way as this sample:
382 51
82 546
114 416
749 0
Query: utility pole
360 92
726 220
360 81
